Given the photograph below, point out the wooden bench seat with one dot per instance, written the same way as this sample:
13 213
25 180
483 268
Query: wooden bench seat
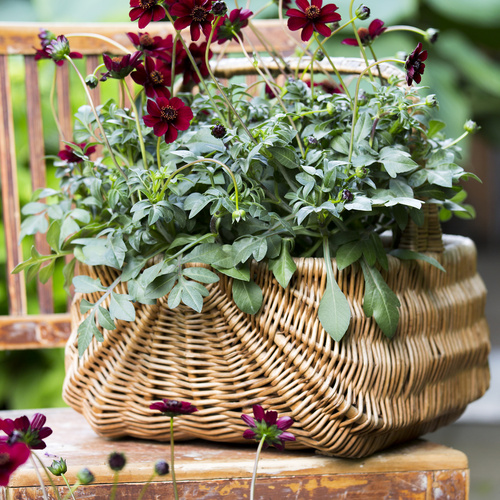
417 470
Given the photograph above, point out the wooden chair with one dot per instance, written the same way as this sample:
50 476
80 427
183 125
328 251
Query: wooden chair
419 470
20 330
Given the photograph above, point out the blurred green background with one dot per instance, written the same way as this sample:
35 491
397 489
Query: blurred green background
463 69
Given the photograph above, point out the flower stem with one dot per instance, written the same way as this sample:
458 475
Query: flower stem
99 124
256 464
401 27
202 160
72 490
336 71
53 108
101 37
196 69
172 67
49 477
356 97
146 486
176 493
40 480
137 124
115 486
158 159
273 90
223 94
456 141
69 486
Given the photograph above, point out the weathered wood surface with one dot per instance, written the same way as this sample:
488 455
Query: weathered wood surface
34 331
21 38
418 470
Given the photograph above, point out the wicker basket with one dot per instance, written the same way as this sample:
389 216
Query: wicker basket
348 399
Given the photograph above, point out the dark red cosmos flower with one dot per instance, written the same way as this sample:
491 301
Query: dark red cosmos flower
45 37
58 49
328 86
11 457
121 66
68 153
171 407
23 431
193 13
267 425
180 53
367 36
233 24
312 17
154 76
414 65
198 53
150 46
146 11
167 116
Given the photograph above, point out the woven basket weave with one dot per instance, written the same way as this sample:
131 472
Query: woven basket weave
348 398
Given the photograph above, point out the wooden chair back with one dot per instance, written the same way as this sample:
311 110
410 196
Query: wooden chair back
20 330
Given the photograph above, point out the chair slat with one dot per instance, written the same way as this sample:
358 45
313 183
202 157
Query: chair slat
63 103
37 166
34 331
10 195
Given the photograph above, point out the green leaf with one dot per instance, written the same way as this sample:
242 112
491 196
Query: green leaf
363 127
206 253
284 156
247 296
86 331
200 274
334 312
411 255
47 271
380 301
349 253
396 161
435 126
53 235
85 284
120 307
160 286
85 306
68 273
284 266
192 296
242 273
174 297
105 319
68 228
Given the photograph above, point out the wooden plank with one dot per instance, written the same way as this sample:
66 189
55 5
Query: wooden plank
10 196
214 470
34 331
21 38
37 167
63 103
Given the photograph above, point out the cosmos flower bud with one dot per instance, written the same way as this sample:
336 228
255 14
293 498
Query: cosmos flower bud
330 108
58 467
92 81
219 131
238 215
363 12
361 172
431 35
161 468
219 8
117 461
347 195
471 126
431 101
85 476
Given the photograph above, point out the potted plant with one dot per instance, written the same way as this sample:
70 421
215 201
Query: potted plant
277 243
